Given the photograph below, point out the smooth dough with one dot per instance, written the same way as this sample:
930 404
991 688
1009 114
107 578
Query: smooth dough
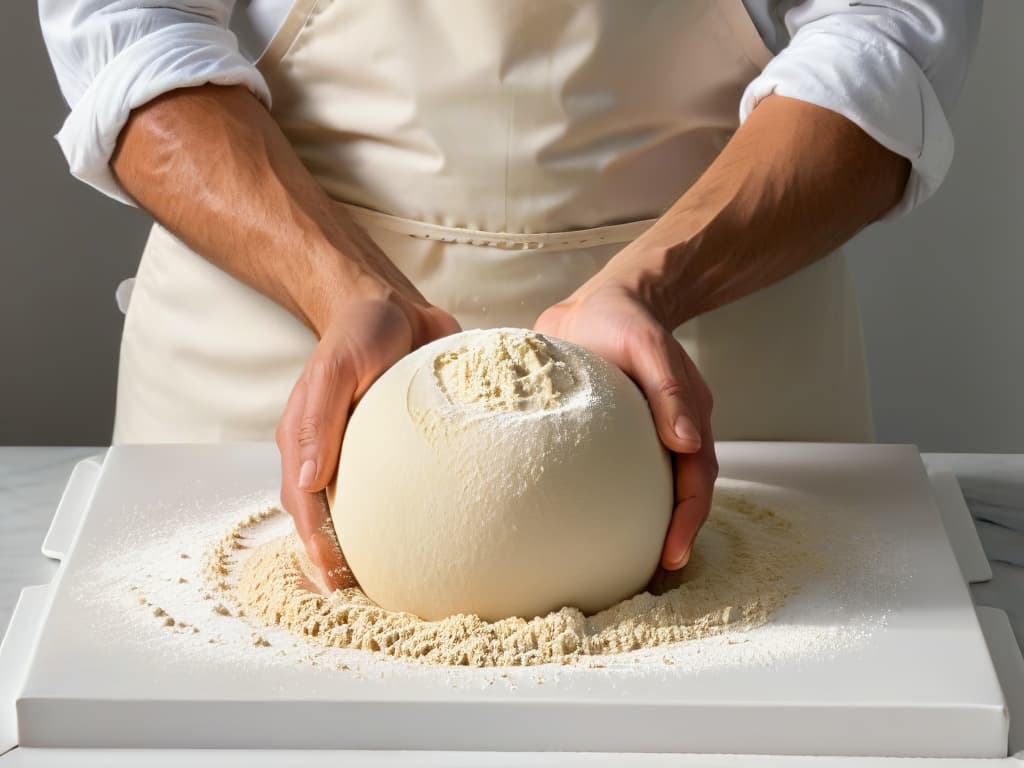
501 473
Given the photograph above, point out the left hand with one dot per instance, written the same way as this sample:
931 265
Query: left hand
615 323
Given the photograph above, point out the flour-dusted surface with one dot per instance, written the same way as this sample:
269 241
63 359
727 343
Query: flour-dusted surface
230 585
879 655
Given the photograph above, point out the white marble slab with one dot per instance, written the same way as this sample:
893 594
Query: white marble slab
91 685
31 483
993 487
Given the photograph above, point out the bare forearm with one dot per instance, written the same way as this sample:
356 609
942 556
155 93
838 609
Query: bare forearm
213 167
794 183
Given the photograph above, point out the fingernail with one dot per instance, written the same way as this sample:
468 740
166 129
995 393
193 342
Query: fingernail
685 432
680 561
306 475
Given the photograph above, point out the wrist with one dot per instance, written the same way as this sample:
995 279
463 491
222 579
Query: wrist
676 268
336 289
650 274
343 266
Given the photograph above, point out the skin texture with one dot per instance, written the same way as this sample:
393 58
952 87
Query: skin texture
212 166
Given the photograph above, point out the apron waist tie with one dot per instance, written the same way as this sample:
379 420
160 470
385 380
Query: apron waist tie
548 241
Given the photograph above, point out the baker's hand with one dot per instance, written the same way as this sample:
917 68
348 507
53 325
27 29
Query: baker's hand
361 340
617 325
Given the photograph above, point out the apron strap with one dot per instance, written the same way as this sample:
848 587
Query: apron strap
549 241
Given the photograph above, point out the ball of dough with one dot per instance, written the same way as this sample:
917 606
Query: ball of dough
501 473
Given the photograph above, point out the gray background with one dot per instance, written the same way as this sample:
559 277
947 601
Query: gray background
940 290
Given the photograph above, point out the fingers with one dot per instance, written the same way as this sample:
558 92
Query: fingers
315 529
329 387
308 510
695 482
659 367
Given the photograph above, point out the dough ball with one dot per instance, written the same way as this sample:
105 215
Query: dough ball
502 473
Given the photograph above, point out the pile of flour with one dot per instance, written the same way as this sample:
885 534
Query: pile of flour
748 560
513 372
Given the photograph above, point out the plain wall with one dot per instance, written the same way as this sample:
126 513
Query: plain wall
63 249
941 291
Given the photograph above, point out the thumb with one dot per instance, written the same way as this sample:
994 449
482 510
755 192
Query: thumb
659 368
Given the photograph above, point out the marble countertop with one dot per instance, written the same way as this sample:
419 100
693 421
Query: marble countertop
32 480
31 483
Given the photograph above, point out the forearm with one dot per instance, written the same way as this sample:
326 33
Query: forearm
794 183
212 166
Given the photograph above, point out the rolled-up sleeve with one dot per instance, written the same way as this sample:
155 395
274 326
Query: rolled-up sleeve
113 56
894 68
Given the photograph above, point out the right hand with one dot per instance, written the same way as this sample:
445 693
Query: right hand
361 339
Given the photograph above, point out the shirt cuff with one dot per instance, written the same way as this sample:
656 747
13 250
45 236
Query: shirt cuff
875 83
177 56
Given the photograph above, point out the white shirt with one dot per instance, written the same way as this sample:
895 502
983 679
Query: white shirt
893 67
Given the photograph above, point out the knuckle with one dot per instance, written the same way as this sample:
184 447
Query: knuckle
670 387
309 430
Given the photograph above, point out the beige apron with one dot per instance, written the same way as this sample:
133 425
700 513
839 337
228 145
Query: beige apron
500 152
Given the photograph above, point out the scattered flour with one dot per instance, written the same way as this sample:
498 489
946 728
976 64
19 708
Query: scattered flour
186 565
